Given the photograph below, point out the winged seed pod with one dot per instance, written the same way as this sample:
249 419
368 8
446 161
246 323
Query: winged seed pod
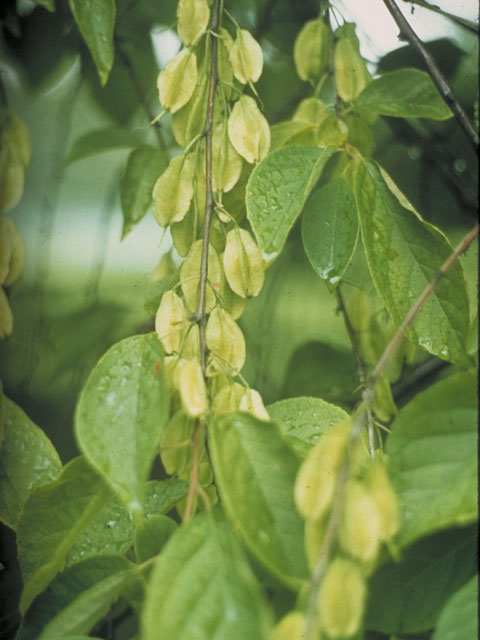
6 316
246 57
311 51
189 121
192 20
171 321
350 70
230 301
14 132
173 191
175 450
341 599
243 263
360 527
314 539
6 247
385 498
226 343
226 163
191 384
189 277
252 402
12 178
228 398
176 83
248 130
290 627
311 111
16 251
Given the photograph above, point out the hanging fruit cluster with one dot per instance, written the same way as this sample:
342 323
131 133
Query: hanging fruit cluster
203 88
15 152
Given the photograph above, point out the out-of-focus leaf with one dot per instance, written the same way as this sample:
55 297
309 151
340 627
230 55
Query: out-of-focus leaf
101 141
459 618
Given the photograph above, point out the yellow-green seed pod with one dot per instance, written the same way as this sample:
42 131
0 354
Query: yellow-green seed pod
252 402
191 385
165 268
311 111
314 539
384 405
290 627
225 73
14 132
189 277
226 343
173 191
228 398
176 83
192 17
189 121
317 477
17 254
248 130
246 57
6 247
6 316
382 492
12 178
175 445
226 163
190 348
184 233
233 304
243 264
332 131
171 320
360 135
350 70
341 599
311 51
360 526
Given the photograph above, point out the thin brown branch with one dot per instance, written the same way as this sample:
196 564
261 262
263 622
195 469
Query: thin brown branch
412 314
437 76
209 199
458 20
193 483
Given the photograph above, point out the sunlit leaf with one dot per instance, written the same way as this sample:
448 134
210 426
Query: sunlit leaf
121 412
277 191
404 254
201 587
433 458
27 460
96 21
404 93
459 618
255 472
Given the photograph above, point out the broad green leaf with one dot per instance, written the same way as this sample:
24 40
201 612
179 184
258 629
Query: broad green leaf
144 165
121 412
459 618
433 457
154 294
96 22
277 190
404 254
330 230
101 141
152 535
163 495
52 520
255 471
303 420
407 596
201 587
27 460
404 93
77 599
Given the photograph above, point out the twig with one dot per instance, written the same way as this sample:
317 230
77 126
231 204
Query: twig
193 483
209 199
437 76
462 22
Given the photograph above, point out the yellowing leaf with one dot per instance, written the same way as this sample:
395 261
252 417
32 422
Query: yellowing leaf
173 191
248 130
243 264
176 83
192 16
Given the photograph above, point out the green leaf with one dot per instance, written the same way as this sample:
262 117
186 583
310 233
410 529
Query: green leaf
303 420
201 587
101 141
96 22
255 472
404 254
459 618
121 412
405 93
144 165
52 520
330 230
277 190
77 599
27 460
48 4
163 495
154 294
407 596
433 457
152 535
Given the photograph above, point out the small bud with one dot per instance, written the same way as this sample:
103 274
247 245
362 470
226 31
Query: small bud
311 51
248 130
176 83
